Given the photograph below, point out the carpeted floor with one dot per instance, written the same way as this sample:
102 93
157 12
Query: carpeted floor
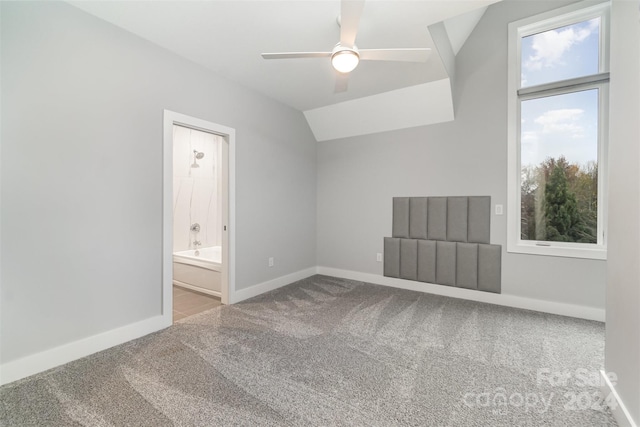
327 351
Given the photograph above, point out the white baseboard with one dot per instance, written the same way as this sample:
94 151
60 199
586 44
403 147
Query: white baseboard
563 309
48 359
278 282
36 363
40 362
620 412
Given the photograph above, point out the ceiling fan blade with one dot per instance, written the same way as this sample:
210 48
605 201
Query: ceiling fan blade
342 82
405 55
290 55
350 12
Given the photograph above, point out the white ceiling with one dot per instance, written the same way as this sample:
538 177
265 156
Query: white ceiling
228 37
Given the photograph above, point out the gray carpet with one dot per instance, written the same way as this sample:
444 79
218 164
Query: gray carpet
327 351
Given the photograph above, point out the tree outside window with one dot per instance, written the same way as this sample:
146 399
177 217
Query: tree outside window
557 154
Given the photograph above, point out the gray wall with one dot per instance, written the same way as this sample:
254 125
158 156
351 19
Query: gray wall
357 177
622 350
82 109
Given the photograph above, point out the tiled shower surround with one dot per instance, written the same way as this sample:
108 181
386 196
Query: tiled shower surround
196 190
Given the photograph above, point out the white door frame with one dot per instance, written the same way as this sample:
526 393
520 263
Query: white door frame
228 215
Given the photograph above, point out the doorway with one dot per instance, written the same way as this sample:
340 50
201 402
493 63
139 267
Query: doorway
198 214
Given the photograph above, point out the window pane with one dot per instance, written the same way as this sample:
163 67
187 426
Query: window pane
559 167
560 54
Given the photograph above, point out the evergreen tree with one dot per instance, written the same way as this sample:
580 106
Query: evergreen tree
563 220
574 184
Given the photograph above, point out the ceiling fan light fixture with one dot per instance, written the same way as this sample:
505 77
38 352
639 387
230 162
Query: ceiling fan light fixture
345 60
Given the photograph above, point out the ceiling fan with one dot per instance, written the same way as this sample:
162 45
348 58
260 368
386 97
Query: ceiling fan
345 56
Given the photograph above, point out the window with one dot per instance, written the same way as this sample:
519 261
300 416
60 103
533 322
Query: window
558 105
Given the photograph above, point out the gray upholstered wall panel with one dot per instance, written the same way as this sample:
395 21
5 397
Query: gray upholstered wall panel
443 240
427 261
409 259
467 265
446 263
457 210
479 219
489 268
418 217
400 217
437 218
391 257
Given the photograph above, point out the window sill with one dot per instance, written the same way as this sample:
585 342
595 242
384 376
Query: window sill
598 252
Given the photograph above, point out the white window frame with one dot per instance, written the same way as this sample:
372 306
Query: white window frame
577 12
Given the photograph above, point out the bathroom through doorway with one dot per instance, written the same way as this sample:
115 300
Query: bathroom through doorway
198 216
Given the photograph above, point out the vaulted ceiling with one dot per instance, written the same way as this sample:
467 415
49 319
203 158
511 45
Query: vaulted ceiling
228 37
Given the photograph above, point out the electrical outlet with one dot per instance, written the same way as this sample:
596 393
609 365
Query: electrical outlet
379 257
499 210
270 261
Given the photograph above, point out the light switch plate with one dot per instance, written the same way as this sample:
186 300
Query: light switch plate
499 210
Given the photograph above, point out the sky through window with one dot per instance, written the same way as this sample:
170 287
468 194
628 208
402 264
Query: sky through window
560 54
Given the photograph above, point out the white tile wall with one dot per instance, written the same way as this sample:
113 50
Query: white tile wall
196 191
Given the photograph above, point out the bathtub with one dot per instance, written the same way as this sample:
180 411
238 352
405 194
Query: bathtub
201 272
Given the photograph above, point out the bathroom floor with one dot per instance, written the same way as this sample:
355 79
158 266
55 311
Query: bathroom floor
187 302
